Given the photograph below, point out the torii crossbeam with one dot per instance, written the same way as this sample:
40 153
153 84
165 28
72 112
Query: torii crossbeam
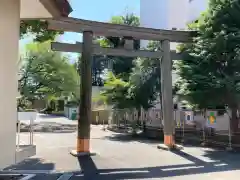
88 49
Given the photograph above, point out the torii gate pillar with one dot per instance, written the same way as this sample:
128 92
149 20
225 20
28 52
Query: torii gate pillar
84 118
167 97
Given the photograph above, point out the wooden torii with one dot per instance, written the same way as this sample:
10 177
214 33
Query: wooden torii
130 33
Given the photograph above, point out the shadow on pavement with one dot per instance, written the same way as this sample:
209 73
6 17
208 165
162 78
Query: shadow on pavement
88 168
189 141
130 137
142 138
32 164
91 172
231 157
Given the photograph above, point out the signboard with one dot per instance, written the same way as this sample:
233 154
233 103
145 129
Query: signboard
211 118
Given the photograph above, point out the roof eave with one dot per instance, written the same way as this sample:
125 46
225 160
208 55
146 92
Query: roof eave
57 8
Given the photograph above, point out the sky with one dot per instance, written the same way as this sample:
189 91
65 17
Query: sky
98 10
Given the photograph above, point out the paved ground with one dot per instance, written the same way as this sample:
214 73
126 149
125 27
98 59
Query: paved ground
120 157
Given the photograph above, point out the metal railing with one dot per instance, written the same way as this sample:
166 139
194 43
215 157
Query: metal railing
26 137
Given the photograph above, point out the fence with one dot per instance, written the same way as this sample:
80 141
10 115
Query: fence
210 127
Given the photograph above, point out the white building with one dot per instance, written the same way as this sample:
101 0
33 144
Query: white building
169 14
11 12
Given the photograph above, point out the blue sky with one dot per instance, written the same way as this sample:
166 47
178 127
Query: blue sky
98 10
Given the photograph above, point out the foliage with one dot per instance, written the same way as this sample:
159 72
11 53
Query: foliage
47 75
37 28
100 63
121 66
142 88
145 80
23 103
116 92
210 70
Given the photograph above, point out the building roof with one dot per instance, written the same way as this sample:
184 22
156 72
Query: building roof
57 7
64 7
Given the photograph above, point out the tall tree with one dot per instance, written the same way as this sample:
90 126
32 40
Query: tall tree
210 70
121 66
45 74
141 90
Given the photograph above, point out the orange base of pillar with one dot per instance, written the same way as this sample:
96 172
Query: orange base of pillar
169 144
83 148
83 145
169 141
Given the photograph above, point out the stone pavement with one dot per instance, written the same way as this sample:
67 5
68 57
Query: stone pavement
124 157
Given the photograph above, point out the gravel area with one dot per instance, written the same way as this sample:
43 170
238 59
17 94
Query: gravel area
48 127
49 123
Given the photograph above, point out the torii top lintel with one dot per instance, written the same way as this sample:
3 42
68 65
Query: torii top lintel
117 30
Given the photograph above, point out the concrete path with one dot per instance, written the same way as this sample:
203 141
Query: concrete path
121 157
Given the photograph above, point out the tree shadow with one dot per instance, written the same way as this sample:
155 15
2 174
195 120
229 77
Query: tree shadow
232 157
187 141
127 137
197 167
142 138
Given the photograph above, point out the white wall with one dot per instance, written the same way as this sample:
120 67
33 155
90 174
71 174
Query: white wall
152 15
168 14
178 13
164 14
9 35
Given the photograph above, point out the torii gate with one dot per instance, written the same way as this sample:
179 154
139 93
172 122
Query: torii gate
88 49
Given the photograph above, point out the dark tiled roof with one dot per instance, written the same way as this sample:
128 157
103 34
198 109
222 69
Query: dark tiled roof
64 7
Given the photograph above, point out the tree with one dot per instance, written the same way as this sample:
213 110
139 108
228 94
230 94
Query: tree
141 90
210 70
46 74
99 65
116 92
37 28
121 66
145 80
